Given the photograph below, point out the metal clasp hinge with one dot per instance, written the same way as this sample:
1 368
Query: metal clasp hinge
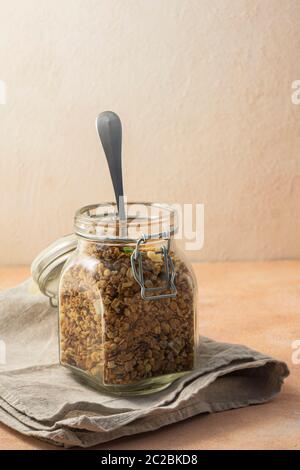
138 273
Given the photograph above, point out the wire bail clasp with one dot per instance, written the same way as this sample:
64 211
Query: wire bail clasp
138 273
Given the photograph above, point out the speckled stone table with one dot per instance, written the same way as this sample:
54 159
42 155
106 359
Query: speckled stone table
257 304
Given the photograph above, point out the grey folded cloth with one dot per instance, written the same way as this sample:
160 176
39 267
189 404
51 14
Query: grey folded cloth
42 399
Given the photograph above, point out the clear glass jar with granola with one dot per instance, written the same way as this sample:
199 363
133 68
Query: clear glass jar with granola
127 303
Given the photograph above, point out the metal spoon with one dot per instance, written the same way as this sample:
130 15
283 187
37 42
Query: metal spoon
109 129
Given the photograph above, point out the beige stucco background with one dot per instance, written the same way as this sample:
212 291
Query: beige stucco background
203 88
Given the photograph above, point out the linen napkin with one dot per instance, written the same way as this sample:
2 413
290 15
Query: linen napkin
40 398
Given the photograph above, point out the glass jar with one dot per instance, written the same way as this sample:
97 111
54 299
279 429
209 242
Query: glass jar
127 304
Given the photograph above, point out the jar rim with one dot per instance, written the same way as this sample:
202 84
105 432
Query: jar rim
147 220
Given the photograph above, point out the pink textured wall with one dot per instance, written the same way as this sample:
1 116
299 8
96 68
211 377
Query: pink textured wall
204 91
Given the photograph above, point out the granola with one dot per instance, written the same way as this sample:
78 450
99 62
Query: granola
108 331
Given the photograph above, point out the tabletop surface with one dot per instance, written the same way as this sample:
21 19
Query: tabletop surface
254 303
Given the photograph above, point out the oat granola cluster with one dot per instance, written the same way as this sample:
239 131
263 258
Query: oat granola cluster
110 332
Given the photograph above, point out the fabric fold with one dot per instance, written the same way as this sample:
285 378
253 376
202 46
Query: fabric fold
40 398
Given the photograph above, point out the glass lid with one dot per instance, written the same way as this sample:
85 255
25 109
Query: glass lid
47 266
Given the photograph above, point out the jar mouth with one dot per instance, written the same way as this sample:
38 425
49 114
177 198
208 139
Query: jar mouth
147 220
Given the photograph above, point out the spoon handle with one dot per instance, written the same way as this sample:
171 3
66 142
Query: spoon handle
109 129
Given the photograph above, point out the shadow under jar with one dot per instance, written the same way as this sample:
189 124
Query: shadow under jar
127 301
